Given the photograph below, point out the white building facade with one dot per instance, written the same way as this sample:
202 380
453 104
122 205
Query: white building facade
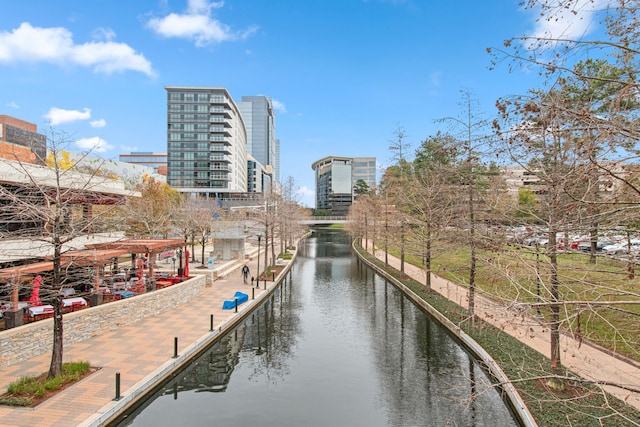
206 142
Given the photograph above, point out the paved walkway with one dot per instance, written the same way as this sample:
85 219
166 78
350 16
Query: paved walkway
585 360
136 351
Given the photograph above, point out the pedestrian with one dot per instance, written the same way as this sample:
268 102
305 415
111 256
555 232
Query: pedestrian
245 273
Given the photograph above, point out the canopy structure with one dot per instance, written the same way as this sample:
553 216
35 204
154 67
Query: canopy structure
95 255
140 246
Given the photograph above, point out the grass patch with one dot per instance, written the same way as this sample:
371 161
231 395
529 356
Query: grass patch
578 404
509 274
31 391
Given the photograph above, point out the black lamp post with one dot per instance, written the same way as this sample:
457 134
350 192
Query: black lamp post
538 313
258 273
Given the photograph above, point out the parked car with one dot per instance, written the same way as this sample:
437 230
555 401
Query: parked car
585 246
622 247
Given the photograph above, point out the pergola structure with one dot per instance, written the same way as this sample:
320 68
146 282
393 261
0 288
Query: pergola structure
95 255
149 247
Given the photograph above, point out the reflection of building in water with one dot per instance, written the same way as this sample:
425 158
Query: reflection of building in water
211 371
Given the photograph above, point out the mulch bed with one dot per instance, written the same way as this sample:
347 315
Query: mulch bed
274 269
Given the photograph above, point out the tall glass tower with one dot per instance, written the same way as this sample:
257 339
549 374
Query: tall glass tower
260 121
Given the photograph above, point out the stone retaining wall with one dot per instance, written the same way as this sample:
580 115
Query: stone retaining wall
36 338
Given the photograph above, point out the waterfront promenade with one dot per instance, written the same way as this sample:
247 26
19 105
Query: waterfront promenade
140 352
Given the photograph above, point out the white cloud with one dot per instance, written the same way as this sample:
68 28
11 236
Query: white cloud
197 24
278 106
435 78
100 123
95 144
106 34
569 23
13 105
58 116
128 149
55 45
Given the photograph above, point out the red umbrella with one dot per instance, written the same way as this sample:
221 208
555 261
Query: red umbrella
34 299
140 267
186 265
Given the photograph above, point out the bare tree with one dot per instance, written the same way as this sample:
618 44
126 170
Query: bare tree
429 194
50 206
290 213
473 139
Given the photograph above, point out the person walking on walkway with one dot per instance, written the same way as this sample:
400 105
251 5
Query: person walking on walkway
245 273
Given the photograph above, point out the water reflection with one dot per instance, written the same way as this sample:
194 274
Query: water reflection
335 345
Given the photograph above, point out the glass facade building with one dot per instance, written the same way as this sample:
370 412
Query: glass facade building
260 122
335 179
206 142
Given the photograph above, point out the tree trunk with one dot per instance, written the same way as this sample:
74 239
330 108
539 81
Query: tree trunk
402 248
55 367
427 262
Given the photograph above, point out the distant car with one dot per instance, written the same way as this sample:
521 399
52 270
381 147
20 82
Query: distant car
586 246
622 248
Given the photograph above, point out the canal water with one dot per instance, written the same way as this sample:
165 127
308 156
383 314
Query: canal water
336 345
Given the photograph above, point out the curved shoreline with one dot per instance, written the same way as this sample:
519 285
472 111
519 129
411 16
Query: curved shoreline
514 398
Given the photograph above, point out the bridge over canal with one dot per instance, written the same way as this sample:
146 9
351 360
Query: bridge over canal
324 220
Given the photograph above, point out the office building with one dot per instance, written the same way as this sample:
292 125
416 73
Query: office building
20 141
206 142
262 144
335 179
259 177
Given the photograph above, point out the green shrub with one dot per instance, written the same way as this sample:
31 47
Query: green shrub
15 401
21 392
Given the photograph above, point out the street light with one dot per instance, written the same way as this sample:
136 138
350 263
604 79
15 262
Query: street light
538 314
258 273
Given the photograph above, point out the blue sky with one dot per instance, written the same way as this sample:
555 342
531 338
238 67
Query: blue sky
343 74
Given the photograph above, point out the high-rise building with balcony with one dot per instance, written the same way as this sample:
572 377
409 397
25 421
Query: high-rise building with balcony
206 142
336 177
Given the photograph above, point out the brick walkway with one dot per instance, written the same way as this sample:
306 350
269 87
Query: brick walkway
137 352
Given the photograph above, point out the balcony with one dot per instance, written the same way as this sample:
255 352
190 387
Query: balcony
224 168
219 139
219 100
220 120
220 176
219 149
218 109
219 158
